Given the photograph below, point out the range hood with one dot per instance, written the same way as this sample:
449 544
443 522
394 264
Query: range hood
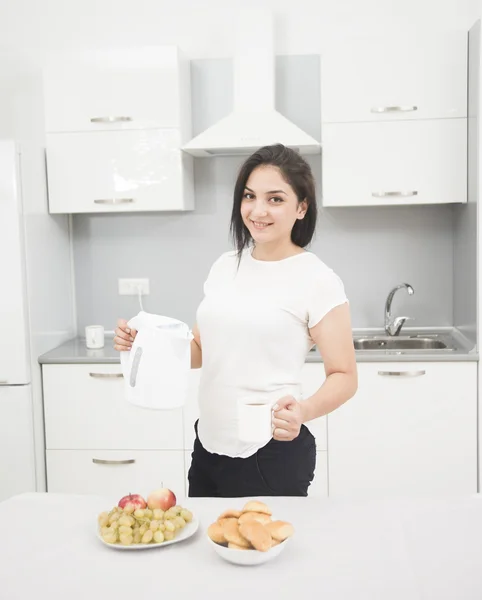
254 121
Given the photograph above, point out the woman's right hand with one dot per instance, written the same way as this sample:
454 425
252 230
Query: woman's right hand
124 336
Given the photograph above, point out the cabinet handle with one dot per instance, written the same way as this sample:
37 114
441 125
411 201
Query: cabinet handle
110 119
114 201
394 194
101 461
106 375
385 109
401 373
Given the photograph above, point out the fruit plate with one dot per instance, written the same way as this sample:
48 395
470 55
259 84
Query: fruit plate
188 531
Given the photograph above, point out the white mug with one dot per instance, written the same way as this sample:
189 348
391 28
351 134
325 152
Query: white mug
255 420
94 336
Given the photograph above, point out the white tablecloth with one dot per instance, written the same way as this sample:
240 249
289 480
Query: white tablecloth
424 549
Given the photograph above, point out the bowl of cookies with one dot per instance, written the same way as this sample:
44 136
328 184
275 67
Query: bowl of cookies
250 536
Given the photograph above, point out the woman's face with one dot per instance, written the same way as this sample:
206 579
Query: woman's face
270 207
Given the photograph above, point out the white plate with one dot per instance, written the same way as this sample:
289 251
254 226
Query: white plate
185 533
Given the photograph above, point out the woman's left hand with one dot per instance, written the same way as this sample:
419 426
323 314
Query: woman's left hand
287 419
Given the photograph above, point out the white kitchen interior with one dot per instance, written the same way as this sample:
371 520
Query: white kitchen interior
118 161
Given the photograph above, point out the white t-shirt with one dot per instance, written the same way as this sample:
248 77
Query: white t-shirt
253 323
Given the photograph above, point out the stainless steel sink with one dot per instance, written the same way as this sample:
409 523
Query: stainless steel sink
399 343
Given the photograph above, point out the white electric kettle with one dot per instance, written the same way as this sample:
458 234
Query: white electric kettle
156 369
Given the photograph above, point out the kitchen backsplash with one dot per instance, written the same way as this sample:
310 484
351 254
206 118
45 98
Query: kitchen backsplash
371 248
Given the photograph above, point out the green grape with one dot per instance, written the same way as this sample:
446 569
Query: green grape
186 515
125 530
147 537
126 539
158 537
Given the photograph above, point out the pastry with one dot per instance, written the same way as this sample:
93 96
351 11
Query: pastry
236 547
215 532
280 530
256 516
232 533
256 534
230 513
255 506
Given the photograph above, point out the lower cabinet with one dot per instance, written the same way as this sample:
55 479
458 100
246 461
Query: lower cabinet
114 472
410 429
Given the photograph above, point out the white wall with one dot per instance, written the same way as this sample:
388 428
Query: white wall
204 29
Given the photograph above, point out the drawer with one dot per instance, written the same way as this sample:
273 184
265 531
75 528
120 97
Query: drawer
114 473
85 408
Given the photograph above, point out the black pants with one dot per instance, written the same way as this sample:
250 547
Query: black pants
277 469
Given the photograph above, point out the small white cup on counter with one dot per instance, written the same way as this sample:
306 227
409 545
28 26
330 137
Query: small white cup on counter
94 336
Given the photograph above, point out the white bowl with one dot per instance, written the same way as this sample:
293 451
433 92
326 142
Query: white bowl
247 557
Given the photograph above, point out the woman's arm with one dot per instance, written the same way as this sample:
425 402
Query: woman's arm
333 337
196 349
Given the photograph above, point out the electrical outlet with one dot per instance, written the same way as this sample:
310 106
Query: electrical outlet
130 287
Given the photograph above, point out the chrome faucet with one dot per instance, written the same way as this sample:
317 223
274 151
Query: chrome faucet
394 325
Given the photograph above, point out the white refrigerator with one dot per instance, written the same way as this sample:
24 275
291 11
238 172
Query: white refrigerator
36 310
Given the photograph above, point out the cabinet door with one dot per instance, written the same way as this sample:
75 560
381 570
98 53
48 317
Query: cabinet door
17 464
116 89
413 162
85 407
118 171
114 473
380 78
319 485
410 429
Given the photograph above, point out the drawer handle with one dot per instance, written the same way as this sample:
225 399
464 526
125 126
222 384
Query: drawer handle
106 375
114 201
101 461
385 109
110 119
401 373
394 194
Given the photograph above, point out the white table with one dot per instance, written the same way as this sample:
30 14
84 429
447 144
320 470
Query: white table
425 549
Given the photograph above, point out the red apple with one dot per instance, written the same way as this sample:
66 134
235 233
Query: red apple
162 498
133 501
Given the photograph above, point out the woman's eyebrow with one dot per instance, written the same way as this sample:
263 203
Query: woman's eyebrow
270 192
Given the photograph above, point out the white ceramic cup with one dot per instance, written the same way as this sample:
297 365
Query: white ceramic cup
255 420
94 336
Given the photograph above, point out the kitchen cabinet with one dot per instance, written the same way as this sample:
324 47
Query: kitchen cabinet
114 472
116 121
118 89
17 465
410 162
85 409
395 77
119 171
410 429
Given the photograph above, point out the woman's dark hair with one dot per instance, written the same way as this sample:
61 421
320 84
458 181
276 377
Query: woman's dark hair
295 171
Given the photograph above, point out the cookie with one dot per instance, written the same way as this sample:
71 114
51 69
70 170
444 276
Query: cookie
274 543
215 532
255 506
236 547
256 534
232 534
280 530
222 520
254 516
230 513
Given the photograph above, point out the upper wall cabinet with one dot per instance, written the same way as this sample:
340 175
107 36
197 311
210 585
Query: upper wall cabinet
394 77
119 89
116 121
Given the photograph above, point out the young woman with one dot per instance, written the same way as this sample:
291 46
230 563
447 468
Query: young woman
265 305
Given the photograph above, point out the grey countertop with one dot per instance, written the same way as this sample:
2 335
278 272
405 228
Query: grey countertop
74 351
